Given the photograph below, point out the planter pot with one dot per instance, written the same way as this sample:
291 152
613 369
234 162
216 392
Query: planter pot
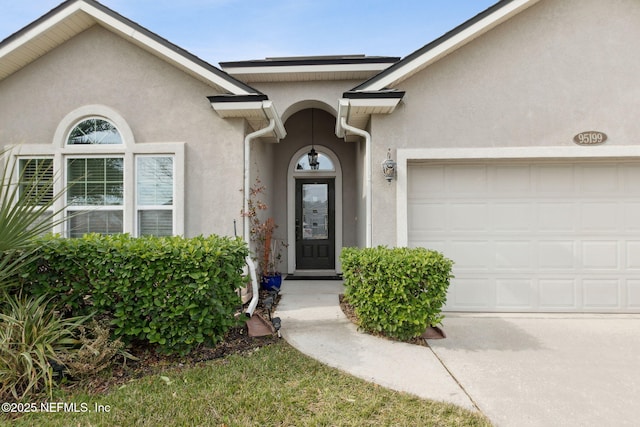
271 283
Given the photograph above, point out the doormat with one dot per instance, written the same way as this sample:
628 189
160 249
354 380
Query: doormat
293 277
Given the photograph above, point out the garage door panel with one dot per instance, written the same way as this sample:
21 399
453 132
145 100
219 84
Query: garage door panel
600 216
513 255
600 255
633 255
601 293
557 216
468 216
532 236
554 180
471 254
633 293
602 179
515 293
471 294
466 179
512 216
557 254
631 216
557 294
511 180
427 217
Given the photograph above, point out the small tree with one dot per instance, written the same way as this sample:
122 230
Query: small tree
267 249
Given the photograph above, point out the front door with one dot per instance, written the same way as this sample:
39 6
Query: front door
315 224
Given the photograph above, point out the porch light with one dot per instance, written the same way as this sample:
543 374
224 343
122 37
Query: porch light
313 159
389 167
313 155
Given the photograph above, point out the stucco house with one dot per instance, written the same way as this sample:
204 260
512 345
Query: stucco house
515 135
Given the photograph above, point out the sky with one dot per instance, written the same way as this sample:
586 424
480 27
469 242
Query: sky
234 30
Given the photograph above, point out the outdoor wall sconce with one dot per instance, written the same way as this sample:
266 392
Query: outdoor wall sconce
389 167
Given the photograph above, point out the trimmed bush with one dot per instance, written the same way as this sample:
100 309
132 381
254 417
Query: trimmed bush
397 292
171 291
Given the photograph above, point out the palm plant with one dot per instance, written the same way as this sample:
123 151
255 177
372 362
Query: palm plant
26 211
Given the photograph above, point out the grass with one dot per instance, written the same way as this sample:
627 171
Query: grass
273 386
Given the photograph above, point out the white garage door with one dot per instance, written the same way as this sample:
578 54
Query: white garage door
532 236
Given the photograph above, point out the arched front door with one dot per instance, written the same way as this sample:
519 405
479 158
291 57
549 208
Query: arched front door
315 212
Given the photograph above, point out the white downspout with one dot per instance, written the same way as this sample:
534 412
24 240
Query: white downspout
368 181
245 220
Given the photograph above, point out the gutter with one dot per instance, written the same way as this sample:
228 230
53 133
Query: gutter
362 103
368 185
247 107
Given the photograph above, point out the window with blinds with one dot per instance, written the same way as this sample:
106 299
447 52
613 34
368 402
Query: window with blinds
154 195
36 180
36 185
95 195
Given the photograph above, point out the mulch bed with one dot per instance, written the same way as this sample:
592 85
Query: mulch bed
236 341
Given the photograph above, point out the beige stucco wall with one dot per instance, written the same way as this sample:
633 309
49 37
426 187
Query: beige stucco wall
559 68
159 103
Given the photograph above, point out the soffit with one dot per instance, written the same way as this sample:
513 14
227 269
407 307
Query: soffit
73 17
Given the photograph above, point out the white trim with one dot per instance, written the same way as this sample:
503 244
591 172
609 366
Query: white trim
73 118
292 174
407 155
59 151
450 45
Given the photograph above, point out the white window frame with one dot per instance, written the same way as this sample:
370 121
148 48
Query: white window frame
140 207
60 152
84 208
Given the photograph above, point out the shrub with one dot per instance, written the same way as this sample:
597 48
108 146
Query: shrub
32 336
170 291
398 292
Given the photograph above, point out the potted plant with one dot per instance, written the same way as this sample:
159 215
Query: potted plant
267 250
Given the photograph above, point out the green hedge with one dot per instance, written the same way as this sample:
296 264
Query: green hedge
398 292
171 291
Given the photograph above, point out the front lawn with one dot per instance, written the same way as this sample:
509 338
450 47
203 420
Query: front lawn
272 385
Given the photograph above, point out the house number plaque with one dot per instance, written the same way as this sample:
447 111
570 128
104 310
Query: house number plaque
590 138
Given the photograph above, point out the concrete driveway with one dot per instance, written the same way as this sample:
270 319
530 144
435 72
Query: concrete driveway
546 370
519 370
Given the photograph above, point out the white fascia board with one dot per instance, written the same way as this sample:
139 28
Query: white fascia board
224 108
163 50
272 113
251 110
452 44
343 111
386 103
310 69
345 104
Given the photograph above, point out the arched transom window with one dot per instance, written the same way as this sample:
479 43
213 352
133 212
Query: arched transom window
325 163
94 131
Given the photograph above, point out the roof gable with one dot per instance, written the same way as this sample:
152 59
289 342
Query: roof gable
74 16
446 44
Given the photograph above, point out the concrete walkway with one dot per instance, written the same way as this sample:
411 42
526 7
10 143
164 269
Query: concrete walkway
519 370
